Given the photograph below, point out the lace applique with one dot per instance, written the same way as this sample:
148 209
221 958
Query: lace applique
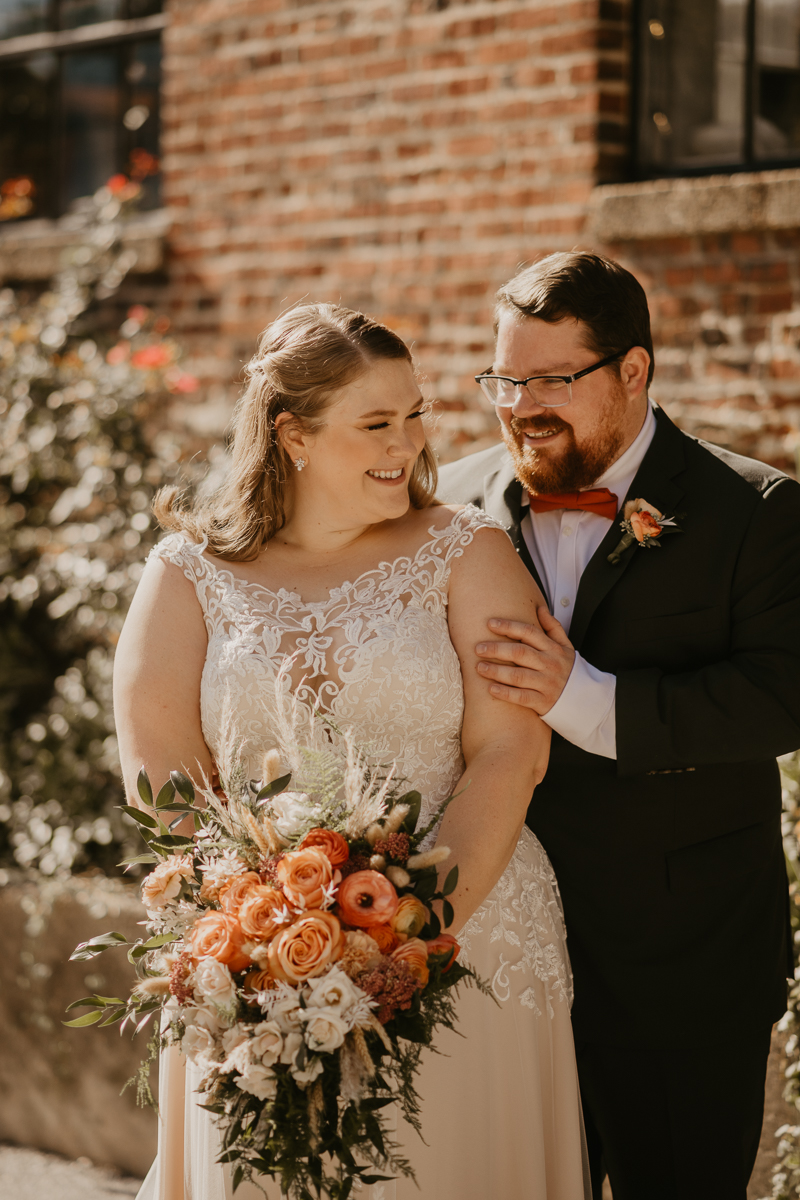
524 916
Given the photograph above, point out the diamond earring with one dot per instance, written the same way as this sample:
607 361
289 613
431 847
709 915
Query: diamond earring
299 463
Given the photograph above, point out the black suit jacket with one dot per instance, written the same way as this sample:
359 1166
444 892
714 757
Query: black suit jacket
669 859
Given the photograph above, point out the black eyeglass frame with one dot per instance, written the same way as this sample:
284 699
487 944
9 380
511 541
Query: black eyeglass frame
567 380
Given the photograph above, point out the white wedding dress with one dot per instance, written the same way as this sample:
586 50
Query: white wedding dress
501 1110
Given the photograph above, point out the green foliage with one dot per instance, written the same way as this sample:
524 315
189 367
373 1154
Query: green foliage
77 476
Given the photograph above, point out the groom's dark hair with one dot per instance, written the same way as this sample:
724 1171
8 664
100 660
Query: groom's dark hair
597 291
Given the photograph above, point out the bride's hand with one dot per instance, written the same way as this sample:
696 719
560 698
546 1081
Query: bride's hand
532 668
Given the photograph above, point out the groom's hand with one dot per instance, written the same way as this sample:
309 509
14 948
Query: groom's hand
533 667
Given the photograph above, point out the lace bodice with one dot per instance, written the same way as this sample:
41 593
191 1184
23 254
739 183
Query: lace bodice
376 656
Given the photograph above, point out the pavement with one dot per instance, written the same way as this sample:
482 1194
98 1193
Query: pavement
31 1175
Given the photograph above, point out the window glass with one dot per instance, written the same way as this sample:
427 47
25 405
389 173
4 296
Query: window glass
18 17
25 138
776 132
140 120
91 116
88 12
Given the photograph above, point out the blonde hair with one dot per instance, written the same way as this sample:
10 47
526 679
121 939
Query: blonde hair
302 359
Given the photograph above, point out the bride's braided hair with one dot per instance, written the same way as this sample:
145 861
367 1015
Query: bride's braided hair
303 357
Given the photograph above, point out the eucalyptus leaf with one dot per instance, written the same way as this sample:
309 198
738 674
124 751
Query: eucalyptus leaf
274 788
96 945
115 1015
144 789
142 818
94 1002
90 1018
166 795
183 786
137 859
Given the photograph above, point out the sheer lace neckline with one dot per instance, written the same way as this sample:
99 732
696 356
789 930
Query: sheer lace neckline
382 572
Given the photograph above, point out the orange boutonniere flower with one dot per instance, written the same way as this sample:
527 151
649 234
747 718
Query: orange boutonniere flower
642 524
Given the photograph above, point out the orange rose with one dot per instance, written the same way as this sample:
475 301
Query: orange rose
386 938
304 875
367 898
258 981
444 947
219 935
414 953
332 845
410 917
644 525
305 948
259 911
232 893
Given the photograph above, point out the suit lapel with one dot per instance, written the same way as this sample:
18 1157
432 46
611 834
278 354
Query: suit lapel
655 482
503 500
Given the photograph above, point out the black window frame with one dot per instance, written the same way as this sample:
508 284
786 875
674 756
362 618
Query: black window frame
124 31
639 172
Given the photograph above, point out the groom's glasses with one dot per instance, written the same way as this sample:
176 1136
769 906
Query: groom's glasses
548 391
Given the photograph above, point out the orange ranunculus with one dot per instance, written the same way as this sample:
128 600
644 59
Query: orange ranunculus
445 948
232 893
259 911
332 845
410 917
414 953
219 935
304 875
305 948
644 525
386 938
367 898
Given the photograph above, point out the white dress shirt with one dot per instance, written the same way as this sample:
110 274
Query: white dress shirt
561 543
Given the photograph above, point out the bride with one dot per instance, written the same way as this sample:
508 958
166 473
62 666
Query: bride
325 549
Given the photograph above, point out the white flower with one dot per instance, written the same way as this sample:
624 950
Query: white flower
164 882
213 981
287 1013
234 1037
291 1045
198 1045
290 811
312 1069
325 1029
204 1017
258 1081
335 990
218 871
267 1042
239 1059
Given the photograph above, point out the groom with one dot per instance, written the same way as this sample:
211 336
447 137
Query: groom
671 680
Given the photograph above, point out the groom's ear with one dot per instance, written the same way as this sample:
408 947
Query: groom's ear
633 371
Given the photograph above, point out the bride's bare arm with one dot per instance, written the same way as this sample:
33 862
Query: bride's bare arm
157 670
505 747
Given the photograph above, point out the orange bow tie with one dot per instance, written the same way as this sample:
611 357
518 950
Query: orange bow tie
595 500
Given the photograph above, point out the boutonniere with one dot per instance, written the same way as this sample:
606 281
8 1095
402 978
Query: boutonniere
644 524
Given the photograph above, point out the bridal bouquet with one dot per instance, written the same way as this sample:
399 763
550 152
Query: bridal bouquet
294 956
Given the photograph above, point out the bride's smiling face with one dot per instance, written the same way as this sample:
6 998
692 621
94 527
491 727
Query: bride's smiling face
359 462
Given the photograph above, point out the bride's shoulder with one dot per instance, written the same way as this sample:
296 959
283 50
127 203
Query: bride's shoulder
459 519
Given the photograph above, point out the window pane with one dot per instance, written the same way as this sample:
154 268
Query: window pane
141 119
22 16
776 133
88 12
26 95
144 8
91 100
693 55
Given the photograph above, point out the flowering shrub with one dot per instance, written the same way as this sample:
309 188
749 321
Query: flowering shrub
77 475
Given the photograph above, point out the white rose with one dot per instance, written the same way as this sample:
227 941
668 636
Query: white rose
239 1059
258 1081
334 990
287 1013
313 1068
267 1042
234 1037
164 883
325 1029
291 1045
213 981
290 811
198 1045
204 1017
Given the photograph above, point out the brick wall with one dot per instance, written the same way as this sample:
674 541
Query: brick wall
726 325
400 156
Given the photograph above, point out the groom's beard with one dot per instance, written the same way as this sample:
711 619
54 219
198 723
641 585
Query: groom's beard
569 467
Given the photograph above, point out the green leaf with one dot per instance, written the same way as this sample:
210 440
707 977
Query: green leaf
425 884
138 858
176 807
373 1132
451 882
141 948
144 789
172 841
238 1176
435 923
142 818
183 786
115 1015
89 1018
447 913
166 795
414 802
96 945
274 788
94 1002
